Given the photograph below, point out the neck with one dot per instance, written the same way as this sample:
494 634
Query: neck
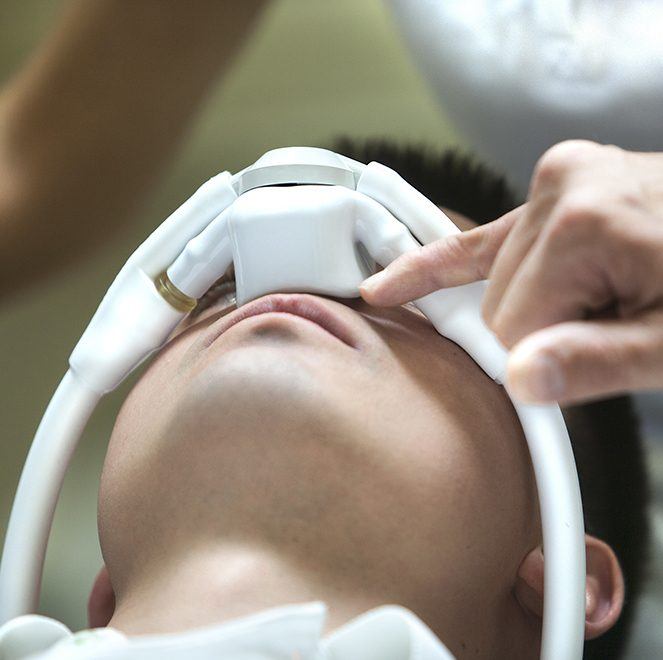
213 585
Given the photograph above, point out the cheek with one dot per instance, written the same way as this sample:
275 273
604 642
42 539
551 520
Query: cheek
128 475
457 441
141 420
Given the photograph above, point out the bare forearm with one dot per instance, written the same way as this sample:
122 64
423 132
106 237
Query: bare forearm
90 121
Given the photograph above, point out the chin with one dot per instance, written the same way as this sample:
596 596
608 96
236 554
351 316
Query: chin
257 383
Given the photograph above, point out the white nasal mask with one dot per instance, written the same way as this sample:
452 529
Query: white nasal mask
517 76
298 220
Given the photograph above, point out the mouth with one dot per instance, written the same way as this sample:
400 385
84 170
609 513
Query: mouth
305 306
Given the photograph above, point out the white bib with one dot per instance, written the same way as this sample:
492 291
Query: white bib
283 633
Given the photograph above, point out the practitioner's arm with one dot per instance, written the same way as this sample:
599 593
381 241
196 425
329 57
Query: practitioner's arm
94 115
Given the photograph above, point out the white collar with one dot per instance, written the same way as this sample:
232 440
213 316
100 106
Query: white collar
290 632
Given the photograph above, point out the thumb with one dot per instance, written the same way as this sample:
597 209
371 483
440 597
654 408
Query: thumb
451 261
578 360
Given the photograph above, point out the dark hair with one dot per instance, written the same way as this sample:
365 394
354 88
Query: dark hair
605 434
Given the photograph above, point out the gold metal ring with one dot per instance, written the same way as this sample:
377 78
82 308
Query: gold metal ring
172 295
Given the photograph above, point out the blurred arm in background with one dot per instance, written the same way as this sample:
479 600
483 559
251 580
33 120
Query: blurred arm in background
94 115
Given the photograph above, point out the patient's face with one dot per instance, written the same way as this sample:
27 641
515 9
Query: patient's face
390 460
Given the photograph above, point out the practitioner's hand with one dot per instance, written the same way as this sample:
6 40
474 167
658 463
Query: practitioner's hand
576 275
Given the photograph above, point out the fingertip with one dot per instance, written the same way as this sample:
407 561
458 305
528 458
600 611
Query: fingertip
375 297
377 290
367 295
372 283
367 292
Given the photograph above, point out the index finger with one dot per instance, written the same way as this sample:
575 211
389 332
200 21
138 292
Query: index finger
451 261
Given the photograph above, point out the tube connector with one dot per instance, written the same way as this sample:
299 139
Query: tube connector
172 295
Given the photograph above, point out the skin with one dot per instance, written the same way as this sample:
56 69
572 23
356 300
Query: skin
575 275
90 121
276 464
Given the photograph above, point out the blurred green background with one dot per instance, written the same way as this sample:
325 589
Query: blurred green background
312 70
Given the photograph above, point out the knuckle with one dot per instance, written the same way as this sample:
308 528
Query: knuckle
409 261
453 250
578 216
443 249
562 157
487 312
427 267
643 348
612 151
445 254
503 331
433 257
478 247
409 267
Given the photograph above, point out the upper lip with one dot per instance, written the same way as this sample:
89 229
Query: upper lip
306 306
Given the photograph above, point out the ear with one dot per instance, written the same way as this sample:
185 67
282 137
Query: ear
101 603
604 586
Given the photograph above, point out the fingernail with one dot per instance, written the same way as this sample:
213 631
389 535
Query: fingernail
535 378
370 284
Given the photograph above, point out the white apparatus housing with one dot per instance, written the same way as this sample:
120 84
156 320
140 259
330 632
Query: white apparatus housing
323 237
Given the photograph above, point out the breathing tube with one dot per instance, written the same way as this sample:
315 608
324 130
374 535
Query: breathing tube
323 232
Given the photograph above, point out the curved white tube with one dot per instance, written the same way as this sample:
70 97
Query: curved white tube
132 320
204 258
37 493
425 220
563 530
